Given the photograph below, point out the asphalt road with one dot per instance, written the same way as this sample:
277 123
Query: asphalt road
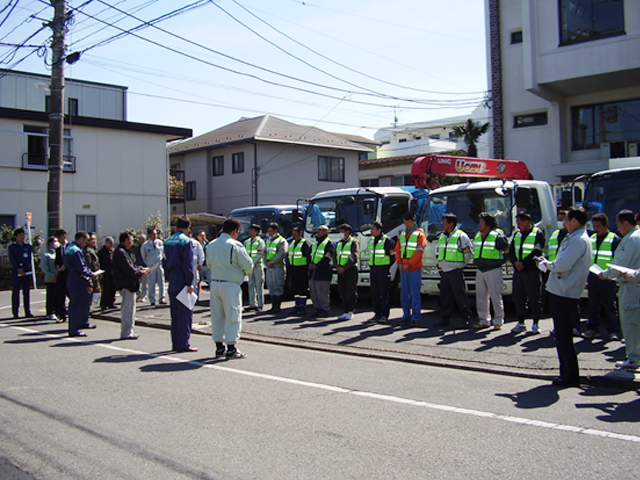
108 409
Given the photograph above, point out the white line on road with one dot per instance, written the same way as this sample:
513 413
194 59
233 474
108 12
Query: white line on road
357 393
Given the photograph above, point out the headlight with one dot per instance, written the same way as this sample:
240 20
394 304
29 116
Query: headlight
364 265
430 272
508 270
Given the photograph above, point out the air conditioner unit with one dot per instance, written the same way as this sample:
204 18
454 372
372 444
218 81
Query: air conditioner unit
634 149
605 151
614 150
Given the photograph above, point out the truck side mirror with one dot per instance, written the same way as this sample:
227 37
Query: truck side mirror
296 216
369 206
413 206
566 200
524 198
264 224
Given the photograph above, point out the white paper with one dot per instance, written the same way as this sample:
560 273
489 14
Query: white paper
151 269
542 266
96 298
186 298
98 272
621 269
596 269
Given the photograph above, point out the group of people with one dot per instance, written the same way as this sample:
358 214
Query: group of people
574 259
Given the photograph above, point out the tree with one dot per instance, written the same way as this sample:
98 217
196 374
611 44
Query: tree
470 133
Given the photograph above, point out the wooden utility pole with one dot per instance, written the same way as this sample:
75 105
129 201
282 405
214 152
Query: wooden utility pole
56 117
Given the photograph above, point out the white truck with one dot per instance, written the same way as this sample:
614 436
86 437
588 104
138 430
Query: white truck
505 199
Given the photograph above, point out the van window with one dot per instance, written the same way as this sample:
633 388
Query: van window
392 210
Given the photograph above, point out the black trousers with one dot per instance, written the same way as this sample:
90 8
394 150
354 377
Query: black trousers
563 311
20 284
61 294
348 289
51 298
453 292
298 280
602 292
526 290
108 296
380 283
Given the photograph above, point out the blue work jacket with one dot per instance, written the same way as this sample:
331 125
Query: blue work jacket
178 254
76 265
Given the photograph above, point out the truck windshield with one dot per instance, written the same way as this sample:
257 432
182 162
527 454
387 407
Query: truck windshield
248 218
359 211
467 205
611 192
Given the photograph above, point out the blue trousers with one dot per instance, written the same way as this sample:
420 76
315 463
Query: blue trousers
181 319
20 284
410 295
79 303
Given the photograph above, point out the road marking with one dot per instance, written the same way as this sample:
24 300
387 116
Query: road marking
357 393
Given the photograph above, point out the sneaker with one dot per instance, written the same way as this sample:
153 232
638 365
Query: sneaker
628 365
383 320
614 337
519 328
220 352
373 319
535 329
481 324
163 302
343 316
52 317
348 316
576 332
497 326
589 334
234 354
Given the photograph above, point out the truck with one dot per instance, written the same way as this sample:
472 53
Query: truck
360 207
286 216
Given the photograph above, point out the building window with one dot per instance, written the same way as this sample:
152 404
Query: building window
530 120
9 220
586 20
330 169
218 166
372 182
86 223
435 136
363 156
36 156
237 162
190 190
72 106
402 140
516 37
592 125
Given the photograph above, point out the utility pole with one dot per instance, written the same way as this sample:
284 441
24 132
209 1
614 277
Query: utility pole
56 117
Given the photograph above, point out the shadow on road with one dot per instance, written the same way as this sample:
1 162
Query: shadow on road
541 396
172 367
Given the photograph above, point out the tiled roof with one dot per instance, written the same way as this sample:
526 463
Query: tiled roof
376 162
265 128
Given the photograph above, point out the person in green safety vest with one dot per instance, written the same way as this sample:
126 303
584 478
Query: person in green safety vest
255 248
381 257
320 272
602 292
453 252
527 244
346 263
489 246
298 271
276 253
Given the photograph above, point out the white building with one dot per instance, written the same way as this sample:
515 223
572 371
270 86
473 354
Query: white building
115 173
263 161
431 136
565 82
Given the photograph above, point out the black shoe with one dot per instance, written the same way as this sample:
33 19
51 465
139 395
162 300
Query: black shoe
78 334
323 314
188 349
414 323
443 322
403 322
220 352
566 382
29 315
234 354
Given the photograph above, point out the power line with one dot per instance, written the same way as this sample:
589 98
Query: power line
338 63
256 66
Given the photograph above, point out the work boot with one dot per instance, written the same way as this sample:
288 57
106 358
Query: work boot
277 301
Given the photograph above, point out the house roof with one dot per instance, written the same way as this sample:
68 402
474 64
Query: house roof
267 129
380 162
171 133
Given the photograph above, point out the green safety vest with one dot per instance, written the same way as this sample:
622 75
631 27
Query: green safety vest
252 246
527 246
408 246
553 245
317 251
603 255
296 258
272 247
343 250
448 247
485 247
377 255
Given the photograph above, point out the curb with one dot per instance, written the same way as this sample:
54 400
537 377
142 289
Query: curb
591 380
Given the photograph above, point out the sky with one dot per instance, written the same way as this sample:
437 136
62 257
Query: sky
350 66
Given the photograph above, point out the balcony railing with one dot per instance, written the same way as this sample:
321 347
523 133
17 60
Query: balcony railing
34 161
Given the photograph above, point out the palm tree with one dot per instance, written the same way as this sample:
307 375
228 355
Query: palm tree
470 133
